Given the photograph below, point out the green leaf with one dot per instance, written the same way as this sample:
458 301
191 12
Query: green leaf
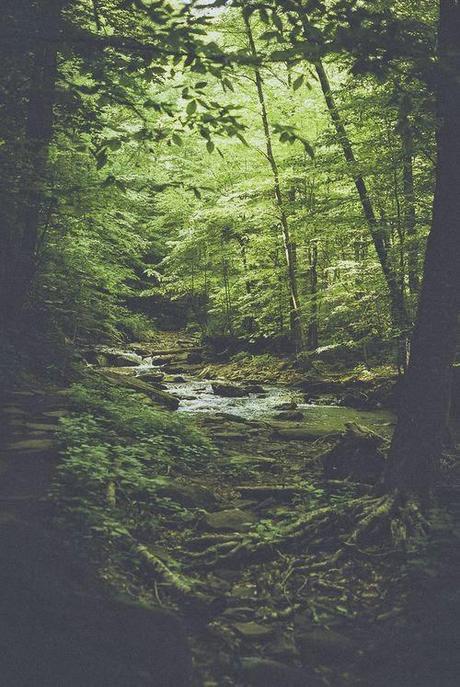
101 157
298 82
210 146
227 84
191 107
176 139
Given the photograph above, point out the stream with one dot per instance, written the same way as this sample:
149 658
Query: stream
197 396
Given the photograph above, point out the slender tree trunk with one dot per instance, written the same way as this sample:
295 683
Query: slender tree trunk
313 325
289 248
376 227
417 442
407 148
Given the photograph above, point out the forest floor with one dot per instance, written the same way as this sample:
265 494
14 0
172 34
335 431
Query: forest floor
263 607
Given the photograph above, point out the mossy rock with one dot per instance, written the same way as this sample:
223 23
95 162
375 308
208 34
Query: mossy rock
232 520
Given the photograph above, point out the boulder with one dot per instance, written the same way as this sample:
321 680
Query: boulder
161 360
232 520
229 390
255 389
286 406
123 359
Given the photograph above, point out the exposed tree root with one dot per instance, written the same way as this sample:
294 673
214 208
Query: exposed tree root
385 524
179 583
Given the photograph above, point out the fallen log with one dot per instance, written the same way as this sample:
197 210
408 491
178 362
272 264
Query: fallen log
157 395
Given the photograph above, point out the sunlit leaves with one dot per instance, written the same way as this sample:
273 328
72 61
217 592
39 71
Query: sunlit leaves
191 107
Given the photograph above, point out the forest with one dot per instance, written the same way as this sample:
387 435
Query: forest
229 363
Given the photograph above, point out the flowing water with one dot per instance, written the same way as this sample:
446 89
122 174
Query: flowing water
197 396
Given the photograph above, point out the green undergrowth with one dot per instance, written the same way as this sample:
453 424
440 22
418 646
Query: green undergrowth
118 455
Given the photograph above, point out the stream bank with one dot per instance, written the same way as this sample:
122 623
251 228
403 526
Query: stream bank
288 616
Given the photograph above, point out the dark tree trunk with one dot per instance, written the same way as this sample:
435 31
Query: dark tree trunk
313 325
43 23
417 442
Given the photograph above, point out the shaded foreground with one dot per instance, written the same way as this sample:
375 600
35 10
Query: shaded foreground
245 535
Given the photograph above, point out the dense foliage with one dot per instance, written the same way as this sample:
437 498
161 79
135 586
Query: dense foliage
159 196
119 456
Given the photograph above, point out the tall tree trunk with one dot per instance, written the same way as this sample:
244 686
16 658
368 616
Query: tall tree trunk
313 325
289 248
423 415
376 227
407 149
44 22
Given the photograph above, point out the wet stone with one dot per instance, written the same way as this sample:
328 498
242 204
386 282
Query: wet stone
286 406
229 390
253 630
